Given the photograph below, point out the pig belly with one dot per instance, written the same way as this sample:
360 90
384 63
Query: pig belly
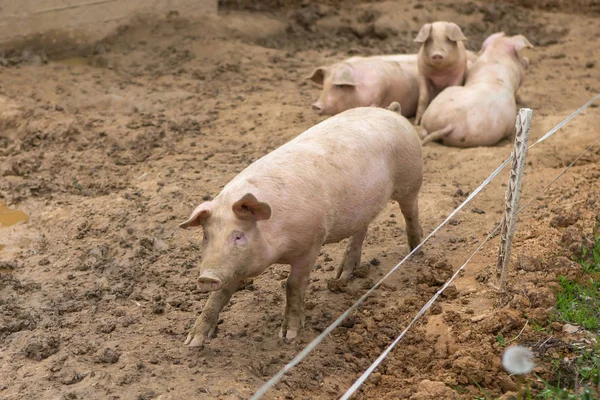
362 199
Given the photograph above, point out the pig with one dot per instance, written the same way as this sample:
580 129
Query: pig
325 185
368 81
442 61
483 111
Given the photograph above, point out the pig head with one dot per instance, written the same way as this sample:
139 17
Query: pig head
233 245
340 89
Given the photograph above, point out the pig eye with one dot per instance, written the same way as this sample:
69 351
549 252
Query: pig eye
205 238
239 238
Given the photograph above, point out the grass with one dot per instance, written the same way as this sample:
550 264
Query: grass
590 261
578 302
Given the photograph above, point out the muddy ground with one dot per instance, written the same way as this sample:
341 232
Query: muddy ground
107 152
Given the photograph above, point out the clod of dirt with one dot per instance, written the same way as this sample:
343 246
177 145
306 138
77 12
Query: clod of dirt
506 383
428 390
108 356
528 263
107 328
564 220
42 346
146 394
68 376
354 338
501 321
572 239
337 285
450 293
361 271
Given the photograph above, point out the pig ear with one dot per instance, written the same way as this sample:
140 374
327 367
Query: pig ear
520 42
344 77
318 75
249 208
198 217
423 34
454 33
490 39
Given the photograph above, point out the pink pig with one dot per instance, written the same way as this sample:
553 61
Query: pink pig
443 61
325 185
368 82
483 111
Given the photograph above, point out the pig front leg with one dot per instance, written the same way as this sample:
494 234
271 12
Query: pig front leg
351 256
423 98
295 286
206 323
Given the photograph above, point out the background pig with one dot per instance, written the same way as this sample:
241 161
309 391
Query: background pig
325 185
483 111
368 81
442 61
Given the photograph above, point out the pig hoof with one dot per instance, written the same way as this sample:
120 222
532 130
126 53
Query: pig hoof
291 334
194 340
288 334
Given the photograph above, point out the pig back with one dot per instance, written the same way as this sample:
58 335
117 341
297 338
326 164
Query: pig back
339 174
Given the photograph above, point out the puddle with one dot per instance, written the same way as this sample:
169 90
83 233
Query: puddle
9 217
74 61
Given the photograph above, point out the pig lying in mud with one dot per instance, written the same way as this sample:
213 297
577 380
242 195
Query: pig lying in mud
325 185
482 112
442 61
368 82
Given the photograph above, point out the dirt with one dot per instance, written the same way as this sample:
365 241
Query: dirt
108 151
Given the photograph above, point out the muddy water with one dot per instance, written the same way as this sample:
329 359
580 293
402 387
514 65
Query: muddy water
9 217
74 61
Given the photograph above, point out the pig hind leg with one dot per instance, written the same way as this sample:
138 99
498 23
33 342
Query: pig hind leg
206 324
352 255
295 287
409 205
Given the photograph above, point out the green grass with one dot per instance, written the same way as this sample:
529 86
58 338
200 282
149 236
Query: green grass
579 302
590 261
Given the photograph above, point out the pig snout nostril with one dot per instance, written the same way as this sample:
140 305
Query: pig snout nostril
316 108
437 57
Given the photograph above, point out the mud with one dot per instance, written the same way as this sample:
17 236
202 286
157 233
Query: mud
9 217
107 152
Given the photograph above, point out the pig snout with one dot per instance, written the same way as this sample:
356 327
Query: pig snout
209 281
437 57
318 108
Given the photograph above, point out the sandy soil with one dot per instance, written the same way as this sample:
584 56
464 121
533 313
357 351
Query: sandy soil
106 153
